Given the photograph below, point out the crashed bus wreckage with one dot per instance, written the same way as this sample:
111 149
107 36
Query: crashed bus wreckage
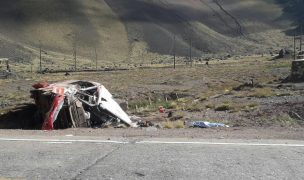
77 104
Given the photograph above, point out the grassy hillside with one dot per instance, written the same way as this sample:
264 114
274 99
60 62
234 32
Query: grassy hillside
142 30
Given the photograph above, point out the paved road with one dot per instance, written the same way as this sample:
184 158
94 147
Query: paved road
37 158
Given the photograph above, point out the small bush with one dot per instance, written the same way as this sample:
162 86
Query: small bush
173 124
224 107
284 120
281 119
194 107
203 98
252 105
173 105
182 100
167 125
179 124
210 106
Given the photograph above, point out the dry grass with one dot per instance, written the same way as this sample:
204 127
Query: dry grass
173 124
261 92
283 120
210 106
179 124
253 105
224 107
16 96
233 107
167 125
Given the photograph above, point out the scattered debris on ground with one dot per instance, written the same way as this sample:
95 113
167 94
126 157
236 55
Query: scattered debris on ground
205 124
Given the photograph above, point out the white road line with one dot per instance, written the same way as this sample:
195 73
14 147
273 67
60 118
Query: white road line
58 142
63 140
69 141
219 143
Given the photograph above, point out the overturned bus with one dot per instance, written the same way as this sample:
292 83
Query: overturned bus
77 104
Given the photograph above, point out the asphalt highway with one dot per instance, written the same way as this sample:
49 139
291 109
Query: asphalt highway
94 158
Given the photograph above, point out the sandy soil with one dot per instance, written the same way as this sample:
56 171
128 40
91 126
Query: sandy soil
222 133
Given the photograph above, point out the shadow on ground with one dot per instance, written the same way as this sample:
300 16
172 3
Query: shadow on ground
21 117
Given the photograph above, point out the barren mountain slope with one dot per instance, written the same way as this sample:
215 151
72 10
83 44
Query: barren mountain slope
124 30
231 26
59 24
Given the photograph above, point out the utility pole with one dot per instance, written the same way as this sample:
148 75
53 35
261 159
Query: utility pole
301 31
174 51
294 45
8 66
191 63
74 45
75 57
96 58
40 57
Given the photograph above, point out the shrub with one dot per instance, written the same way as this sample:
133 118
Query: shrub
179 124
224 107
167 125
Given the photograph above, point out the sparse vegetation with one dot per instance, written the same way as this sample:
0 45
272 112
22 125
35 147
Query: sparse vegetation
283 120
224 107
173 124
179 124
16 96
210 106
183 90
167 125
261 92
253 105
147 105
194 106
279 65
